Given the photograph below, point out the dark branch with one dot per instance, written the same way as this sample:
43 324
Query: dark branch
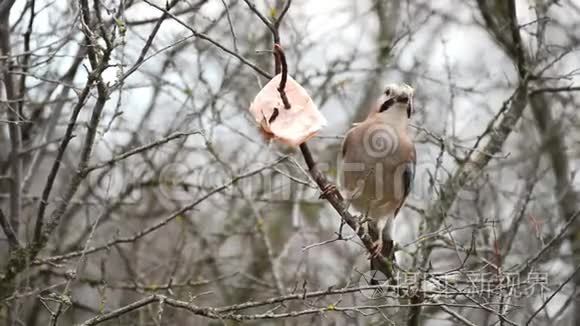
10 235
281 88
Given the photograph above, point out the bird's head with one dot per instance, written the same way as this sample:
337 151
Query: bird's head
397 99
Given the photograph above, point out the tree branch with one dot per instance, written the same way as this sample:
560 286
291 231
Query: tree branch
212 41
10 235
7 96
140 149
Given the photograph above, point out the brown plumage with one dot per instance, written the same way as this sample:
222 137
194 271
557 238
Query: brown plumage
378 161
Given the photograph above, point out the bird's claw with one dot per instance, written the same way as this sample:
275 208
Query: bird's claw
376 249
329 188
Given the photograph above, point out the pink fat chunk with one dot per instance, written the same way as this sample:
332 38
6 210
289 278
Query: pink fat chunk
291 126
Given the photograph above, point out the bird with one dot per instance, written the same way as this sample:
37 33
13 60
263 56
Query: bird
376 165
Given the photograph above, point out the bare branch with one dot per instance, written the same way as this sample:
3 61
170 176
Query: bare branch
141 149
212 41
554 294
10 234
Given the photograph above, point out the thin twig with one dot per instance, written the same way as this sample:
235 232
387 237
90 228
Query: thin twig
457 316
525 267
554 90
166 220
141 149
263 18
212 41
554 294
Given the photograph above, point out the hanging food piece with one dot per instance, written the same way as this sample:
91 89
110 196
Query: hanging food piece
285 111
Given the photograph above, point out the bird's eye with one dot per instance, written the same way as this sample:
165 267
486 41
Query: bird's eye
388 92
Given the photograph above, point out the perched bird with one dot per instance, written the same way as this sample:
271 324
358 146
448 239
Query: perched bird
377 162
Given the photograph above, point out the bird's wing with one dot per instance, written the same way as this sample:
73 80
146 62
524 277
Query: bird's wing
409 173
340 166
347 179
408 176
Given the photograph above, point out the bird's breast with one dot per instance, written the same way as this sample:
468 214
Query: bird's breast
374 157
